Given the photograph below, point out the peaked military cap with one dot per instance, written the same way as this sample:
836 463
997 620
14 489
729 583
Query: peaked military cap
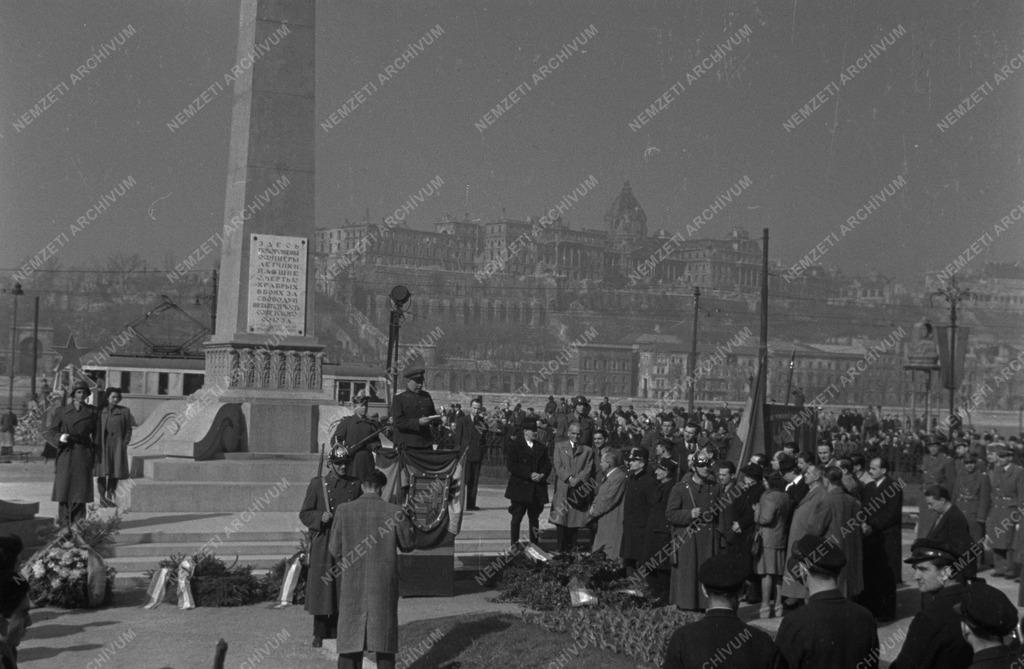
987 610
925 549
725 571
415 372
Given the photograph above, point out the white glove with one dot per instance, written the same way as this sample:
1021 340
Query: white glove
65 438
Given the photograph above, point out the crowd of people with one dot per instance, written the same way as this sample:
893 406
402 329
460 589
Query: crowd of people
813 537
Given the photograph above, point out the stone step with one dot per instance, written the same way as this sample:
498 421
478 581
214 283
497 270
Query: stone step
208 496
227 549
231 471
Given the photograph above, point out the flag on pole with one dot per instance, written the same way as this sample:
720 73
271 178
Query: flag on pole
750 432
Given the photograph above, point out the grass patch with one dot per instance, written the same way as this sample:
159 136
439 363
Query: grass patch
495 640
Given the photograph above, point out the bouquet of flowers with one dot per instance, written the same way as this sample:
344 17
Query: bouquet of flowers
69 574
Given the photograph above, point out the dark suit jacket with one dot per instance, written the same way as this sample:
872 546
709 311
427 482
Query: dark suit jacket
883 511
829 631
721 636
523 461
952 528
470 438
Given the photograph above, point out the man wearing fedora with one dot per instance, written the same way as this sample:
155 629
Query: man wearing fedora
413 412
73 428
934 638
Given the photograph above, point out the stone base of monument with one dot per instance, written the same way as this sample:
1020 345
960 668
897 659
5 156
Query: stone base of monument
429 572
19 517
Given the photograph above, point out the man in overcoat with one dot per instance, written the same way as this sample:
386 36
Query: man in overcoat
951 529
413 412
658 535
528 469
606 511
1007 485
323 495
636 508
73 429
692 514
844 530
882 528
470 433
810 517
973 495
574 488
364 539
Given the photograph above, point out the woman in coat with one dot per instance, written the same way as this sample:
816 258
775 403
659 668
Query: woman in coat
771 514
113 436
323 495
658 535
73 429
607 508
574 488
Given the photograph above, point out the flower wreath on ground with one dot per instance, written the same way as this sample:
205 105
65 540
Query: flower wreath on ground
68 571
587 596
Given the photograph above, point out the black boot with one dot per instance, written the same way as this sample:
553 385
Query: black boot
101 484
112 490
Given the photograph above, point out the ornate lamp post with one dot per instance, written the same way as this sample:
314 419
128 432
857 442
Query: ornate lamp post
692 362
953 295
399 296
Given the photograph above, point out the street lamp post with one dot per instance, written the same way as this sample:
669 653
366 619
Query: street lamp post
692 362
15 292
953 295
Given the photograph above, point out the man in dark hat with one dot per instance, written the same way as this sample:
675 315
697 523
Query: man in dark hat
658 535
528 468
413 412
720 638
934 638
828 631
636 508
356 434
323 495
72 428
692 513
987 619
470 433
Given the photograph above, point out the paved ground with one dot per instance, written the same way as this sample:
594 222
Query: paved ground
125 635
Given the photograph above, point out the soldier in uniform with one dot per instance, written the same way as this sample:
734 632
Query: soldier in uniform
972 493
587 426
934 638
698 644
690 511
354 432
828 631
323 495
636 508
528 467
938 469
413 412
470 432
1007 485
73 428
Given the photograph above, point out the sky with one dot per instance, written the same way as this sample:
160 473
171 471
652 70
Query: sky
883 121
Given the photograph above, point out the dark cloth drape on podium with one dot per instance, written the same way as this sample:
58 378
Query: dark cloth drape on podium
433 480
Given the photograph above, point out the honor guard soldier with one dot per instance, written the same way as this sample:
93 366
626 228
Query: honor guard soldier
323 495
934 638
587 426
357 434
413 412
700 644
73 428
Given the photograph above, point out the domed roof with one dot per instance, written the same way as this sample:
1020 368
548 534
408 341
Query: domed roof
626 218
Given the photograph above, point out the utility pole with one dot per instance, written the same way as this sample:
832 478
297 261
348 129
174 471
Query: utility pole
692 362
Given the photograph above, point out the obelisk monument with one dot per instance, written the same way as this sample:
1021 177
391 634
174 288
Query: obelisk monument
264 353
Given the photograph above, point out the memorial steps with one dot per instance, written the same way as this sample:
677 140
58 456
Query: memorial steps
247 506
